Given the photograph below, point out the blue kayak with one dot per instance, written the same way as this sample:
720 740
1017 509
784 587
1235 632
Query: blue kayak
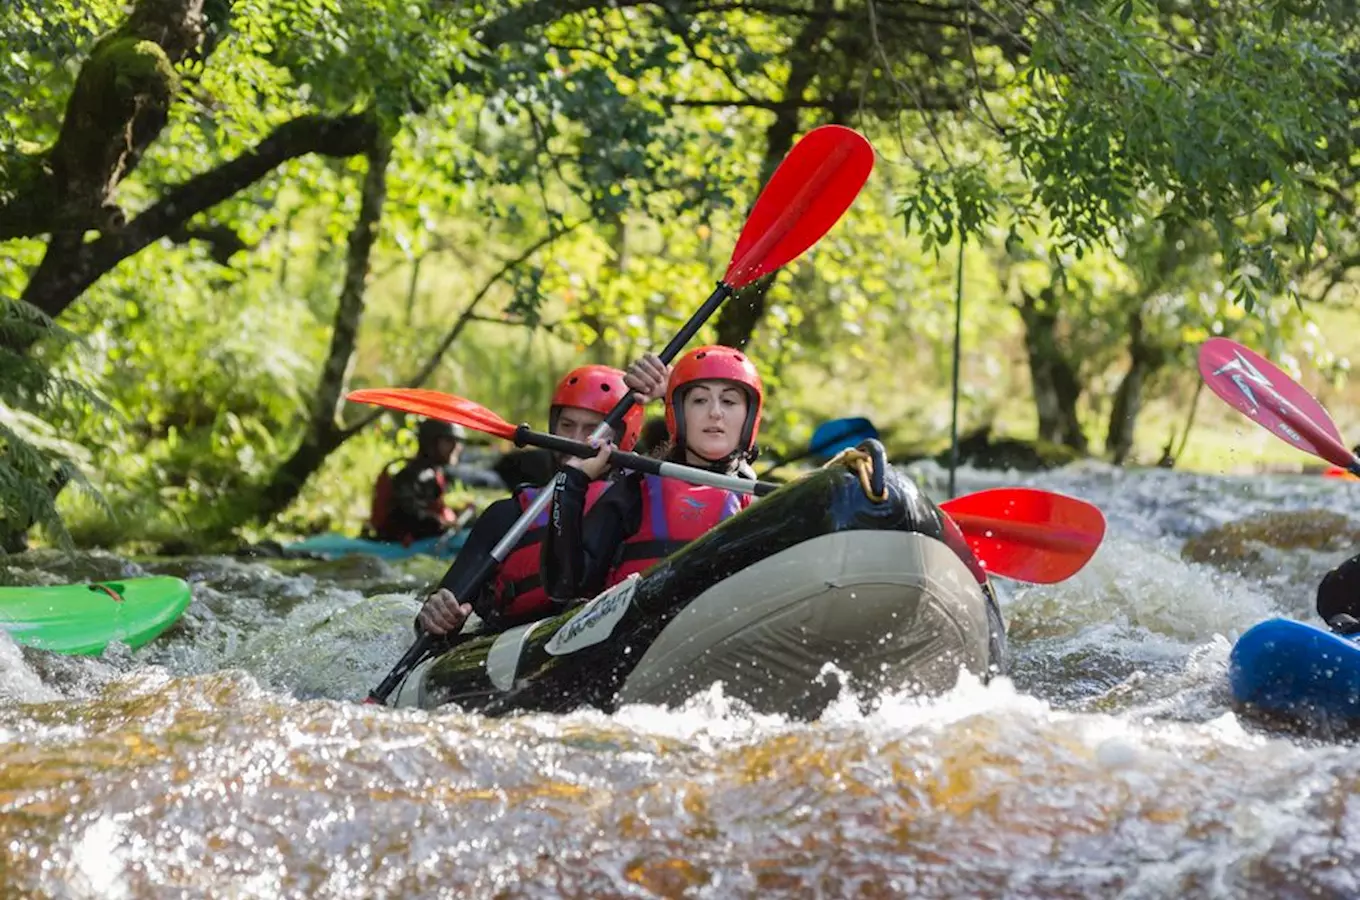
1297 671
334 545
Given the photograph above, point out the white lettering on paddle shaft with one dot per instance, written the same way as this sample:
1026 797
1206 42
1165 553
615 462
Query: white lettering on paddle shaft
595 621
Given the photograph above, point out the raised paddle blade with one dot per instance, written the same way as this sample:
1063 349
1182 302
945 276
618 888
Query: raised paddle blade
806 195
832 437
436 405
1027 534
1255 386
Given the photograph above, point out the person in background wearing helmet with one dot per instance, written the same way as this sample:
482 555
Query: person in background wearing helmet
515 594
713 404
1338 597
409 505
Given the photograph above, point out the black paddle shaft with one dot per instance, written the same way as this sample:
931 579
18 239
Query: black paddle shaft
487 566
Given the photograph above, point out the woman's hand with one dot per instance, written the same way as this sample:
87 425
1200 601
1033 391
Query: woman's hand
598 464
442 613
647 377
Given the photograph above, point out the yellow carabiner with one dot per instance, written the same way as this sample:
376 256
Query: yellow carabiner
862 464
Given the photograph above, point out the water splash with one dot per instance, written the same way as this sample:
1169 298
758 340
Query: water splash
224 759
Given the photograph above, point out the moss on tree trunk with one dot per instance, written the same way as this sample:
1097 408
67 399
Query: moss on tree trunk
120 103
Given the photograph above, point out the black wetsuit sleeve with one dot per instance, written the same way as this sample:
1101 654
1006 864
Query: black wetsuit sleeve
1339 591
579 549
413 501
489 528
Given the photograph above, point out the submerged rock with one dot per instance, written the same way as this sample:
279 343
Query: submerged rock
1244 545
983 450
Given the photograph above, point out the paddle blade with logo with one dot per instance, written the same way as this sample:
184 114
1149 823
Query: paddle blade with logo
1256 387
806 195
1029 535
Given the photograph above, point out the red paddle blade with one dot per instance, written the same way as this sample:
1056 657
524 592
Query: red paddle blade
436 405
1029 535
806 195
1254 385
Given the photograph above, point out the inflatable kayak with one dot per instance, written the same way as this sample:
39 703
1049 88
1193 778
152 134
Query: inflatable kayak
331 546
86 618
1298 672
814 576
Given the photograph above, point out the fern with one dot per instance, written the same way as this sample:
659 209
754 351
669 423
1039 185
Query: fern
34 461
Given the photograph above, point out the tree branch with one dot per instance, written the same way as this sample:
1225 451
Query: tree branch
67 271
120 103
844 15
469 314
324 431
223 241
830 104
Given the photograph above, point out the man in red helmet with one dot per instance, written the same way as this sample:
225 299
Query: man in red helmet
581 401
714 399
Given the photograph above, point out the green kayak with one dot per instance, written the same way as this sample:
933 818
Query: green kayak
86 618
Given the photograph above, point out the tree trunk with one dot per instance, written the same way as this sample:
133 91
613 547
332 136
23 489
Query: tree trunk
1145 358
1056 385
324 433
741 314
119 107
120 103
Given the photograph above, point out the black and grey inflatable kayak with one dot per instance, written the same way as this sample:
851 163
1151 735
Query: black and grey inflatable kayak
816 575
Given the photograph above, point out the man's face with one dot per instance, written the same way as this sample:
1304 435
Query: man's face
447 450
575 424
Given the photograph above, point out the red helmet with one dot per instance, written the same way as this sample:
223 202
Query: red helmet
599 389
715 363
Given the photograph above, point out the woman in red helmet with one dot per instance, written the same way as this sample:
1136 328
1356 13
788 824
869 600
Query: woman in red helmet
713 404
581 401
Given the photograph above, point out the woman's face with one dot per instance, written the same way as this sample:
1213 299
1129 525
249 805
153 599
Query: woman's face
715 412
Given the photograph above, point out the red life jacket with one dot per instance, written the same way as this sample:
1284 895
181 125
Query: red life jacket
519 582
380 508
673 514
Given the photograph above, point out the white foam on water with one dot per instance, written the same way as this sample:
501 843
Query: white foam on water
1143 586
18 682
97 869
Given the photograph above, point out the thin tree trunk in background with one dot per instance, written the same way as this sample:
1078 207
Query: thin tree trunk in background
1056 386
324 433
739 316
1145 358
413 288
1189 422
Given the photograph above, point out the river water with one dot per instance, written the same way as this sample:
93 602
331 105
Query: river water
228 759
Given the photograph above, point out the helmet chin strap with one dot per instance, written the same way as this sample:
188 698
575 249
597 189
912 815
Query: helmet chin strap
721 464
